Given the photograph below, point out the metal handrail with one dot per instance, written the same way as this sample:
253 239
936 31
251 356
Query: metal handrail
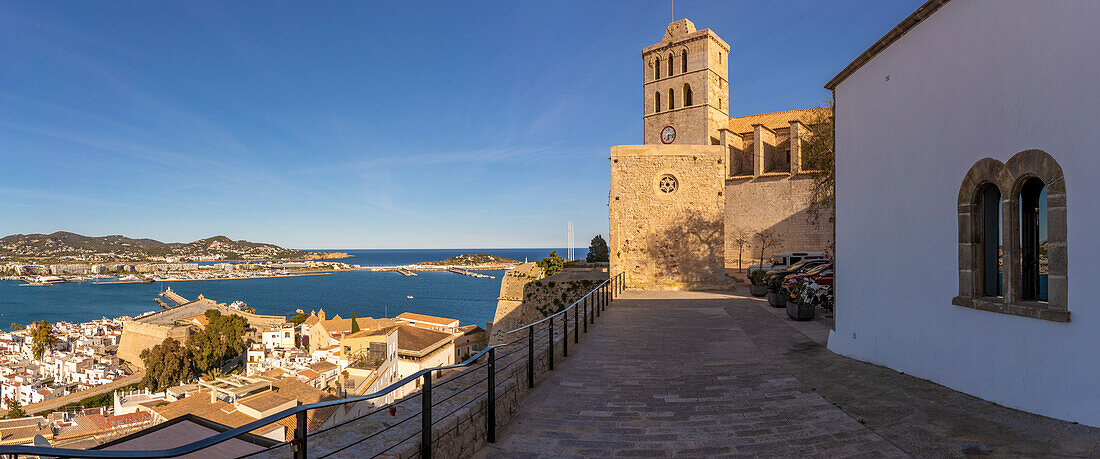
18 450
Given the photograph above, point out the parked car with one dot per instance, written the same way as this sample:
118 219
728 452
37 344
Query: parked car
774 278
785 260
821 274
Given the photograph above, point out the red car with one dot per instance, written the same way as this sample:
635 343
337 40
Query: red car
821 274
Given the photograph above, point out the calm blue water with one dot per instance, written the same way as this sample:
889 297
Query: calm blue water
471 300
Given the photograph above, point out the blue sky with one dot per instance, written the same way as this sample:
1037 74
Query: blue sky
363 125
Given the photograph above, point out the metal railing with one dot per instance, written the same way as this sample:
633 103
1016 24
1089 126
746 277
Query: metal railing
585 312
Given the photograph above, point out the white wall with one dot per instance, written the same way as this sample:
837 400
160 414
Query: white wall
979 78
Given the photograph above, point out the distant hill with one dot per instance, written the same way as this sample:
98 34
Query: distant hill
64 246
469 259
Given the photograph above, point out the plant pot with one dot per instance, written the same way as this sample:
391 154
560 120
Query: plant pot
777 299
758 290
800 311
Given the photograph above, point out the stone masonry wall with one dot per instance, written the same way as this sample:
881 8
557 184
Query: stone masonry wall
779 203
668 240
526 297
138 336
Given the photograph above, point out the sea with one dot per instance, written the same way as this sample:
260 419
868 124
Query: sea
471 300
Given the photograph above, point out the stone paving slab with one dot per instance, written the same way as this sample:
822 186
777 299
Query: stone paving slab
699 374
678 378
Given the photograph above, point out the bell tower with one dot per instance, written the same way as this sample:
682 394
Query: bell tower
686 89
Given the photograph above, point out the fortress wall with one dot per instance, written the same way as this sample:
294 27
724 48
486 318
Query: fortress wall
525 298
139 336
779 203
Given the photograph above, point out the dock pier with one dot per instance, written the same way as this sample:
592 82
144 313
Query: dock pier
465 272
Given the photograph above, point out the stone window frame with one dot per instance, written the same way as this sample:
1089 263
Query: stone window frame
659 176
1009 178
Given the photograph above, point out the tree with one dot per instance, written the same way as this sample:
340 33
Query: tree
767 238
741 241
167 364
298 319
354 323
598 250
552 264
16 326
818 154
214 374
44 339
15 410
219 341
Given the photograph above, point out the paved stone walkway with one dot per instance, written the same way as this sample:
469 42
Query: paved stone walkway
714 374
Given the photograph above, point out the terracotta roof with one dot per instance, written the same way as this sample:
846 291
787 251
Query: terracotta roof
344 325
426 318
304 394
418 340
264 401
922 13
774 120
199 405
309 374
470 329
323 366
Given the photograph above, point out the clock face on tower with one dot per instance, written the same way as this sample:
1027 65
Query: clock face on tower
668 134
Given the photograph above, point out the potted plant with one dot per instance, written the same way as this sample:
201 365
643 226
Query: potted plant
800 307
756 283
777 299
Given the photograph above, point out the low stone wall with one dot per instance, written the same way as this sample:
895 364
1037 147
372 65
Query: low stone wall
459 414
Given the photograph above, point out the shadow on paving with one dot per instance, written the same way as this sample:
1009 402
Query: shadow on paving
671 374
706 374
923 418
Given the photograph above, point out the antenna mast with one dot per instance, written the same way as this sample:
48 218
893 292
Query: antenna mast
570 241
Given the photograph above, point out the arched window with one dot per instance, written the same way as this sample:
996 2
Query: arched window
1033 240
671 99
687 95
1012 222
670 64
657 68
684 62
657 101
989 240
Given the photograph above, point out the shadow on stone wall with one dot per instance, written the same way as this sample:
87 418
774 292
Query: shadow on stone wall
689 254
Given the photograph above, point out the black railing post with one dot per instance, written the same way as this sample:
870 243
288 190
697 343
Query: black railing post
603 293
300 435
550 350
564 334
426 417
596 302
585 314
491 415
530 356
576 325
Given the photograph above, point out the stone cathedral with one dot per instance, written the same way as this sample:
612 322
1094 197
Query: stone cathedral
702 180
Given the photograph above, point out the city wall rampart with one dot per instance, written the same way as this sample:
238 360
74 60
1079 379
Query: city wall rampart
526 296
